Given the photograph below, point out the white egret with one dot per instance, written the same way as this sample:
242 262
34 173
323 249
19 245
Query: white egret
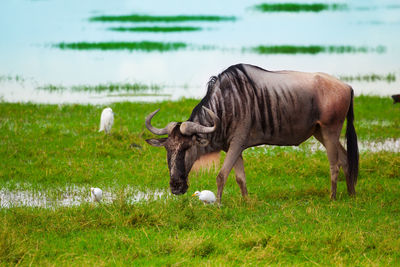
206 196
97 194
106 120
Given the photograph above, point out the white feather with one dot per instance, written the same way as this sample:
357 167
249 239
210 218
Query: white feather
106 120
97 194
206 196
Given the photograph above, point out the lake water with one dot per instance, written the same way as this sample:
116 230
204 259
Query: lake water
30 30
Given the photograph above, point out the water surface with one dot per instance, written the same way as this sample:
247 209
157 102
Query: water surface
31 31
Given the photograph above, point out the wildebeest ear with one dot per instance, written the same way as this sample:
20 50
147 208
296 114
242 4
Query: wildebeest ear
156 142
202 141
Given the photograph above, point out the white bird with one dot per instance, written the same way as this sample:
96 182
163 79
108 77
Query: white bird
206 196
97 194
106 120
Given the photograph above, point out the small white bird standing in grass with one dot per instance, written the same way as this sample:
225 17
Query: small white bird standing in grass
106 120
96 193
206 196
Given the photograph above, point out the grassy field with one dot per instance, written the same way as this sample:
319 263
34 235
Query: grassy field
288 218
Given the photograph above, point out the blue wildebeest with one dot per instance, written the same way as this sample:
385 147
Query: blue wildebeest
246 106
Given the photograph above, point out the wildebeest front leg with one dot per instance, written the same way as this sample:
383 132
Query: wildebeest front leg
232 155
240 175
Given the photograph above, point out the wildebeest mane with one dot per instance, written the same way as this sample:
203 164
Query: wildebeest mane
231 91
206 99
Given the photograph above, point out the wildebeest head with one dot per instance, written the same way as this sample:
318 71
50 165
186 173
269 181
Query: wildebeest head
183 145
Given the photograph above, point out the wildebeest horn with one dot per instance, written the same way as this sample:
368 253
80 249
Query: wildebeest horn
158 131
189 127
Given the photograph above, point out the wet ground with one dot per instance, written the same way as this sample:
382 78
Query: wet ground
71 196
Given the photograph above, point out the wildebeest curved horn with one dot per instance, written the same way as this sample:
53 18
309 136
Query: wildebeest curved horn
189 127
158 131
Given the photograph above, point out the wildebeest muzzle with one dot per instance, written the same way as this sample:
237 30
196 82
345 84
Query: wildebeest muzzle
178 187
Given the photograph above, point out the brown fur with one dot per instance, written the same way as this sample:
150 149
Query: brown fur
207 162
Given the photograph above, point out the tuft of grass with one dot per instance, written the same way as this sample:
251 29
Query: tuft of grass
298 7
204 249
156 29
150 18
141 46
13 245
313 49
389 78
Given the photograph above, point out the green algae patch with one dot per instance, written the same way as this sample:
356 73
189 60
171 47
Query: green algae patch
389 78
110 87
299 7
156 29
314 49
131 46
137 18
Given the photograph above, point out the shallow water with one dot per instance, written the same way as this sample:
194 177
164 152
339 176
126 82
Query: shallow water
30 29
312 146
71 196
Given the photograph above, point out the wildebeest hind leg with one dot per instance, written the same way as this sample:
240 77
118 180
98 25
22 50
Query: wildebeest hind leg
343 163
240 175
330 139
232 155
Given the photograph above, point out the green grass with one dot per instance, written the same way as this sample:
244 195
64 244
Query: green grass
389 78
156 29
313 49
287 220
146 46
150 18
298 7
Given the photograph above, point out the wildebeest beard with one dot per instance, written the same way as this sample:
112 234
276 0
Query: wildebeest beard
178 176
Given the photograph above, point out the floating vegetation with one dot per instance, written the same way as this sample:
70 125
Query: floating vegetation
149 18
373 8
156 29
142 46
277 49
313 49
296 7
10 78
112 87
389 78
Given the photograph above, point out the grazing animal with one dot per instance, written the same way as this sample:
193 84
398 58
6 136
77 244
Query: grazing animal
247 106
206 196
96 193
106 120
396 99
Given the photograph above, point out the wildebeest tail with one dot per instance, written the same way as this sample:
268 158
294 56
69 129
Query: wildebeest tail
352 149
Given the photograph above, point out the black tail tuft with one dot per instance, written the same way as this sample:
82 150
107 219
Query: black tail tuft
352 149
